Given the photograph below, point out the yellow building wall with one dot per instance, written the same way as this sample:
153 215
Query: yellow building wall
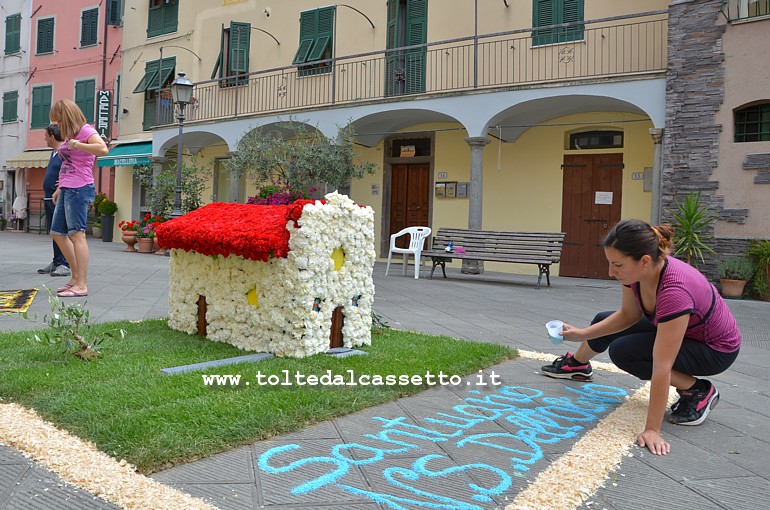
522 180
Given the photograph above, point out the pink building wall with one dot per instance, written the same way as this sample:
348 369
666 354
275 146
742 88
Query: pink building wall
69 63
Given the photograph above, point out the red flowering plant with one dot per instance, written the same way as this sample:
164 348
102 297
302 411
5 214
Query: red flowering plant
129 226
148 225
278 193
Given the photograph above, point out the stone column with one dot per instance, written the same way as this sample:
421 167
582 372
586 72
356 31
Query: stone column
475 194
657 139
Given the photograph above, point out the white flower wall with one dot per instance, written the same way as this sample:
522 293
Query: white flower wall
285 306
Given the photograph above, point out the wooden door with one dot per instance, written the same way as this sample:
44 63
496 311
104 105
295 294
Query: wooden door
591 200
409 198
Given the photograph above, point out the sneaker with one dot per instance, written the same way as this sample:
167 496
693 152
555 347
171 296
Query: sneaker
61 271
47 269
562 369
693 406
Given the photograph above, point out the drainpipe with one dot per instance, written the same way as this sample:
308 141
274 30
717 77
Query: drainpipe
657 173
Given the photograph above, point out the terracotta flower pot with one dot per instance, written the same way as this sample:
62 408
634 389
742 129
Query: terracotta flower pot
144 245
732 288
129 237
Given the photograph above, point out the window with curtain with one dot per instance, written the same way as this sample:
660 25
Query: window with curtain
85 98
316 40
11 106
44 36
233 57
41 106
12 34
89 22
752 123
163 17
555 12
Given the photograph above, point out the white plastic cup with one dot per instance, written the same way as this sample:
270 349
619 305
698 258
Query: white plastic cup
554 331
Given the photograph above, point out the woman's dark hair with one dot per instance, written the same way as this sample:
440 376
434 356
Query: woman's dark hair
636 238
53 130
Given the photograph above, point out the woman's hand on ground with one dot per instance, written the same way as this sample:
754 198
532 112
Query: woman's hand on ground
654 442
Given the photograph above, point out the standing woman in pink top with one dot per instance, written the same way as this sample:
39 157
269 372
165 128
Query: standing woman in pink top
82 144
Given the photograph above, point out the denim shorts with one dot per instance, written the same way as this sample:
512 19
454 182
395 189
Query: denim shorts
71 212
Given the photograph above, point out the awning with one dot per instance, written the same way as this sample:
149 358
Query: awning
127 154
36 158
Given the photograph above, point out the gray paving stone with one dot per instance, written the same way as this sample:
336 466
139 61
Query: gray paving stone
720 464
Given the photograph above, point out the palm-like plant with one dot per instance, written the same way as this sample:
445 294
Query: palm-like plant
693 225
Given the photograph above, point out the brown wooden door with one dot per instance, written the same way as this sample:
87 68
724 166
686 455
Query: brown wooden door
591 199
409 198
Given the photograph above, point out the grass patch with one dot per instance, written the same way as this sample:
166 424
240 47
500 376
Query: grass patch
128 409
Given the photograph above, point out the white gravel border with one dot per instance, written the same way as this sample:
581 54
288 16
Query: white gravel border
576 476
79 463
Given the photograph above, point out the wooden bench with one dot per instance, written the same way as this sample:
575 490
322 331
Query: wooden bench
541 248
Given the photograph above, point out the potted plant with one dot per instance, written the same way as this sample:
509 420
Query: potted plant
107 208
693 227
734 272
759 251
129 228
96 228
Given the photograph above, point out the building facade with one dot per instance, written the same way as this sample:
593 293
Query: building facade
523 115
505 119
14 69
74 53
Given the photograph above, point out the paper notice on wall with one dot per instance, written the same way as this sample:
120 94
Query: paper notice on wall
603 197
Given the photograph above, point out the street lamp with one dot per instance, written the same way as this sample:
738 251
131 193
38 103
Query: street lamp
181 92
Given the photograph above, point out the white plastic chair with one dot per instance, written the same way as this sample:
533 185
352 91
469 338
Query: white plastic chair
417 237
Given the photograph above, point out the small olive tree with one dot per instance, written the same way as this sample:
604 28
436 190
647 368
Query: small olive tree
160 187
297 155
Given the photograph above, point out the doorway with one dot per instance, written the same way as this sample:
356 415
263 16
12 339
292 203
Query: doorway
409 198
591 201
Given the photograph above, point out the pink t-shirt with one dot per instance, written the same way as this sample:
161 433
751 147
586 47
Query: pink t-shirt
684 290
77 167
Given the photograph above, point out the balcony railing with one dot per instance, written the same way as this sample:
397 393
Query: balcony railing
604 48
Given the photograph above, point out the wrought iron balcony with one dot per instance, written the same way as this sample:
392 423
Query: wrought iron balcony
606 48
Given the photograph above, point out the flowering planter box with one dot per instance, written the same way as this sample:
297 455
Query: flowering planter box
269 278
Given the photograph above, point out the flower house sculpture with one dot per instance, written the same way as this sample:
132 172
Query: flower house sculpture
271 278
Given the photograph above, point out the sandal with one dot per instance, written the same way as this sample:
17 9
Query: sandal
71 293
67 286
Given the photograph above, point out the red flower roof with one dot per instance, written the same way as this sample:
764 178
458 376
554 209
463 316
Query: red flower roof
254 232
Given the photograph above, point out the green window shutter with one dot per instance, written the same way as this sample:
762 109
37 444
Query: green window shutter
41 107
88 27
324 33
10 106
416 33
240 40
85 98
391 41
12 34
113 12
45 35
307 36
150 77
218 64
155 20
319 48
170 16
167 68
543 14
572 11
